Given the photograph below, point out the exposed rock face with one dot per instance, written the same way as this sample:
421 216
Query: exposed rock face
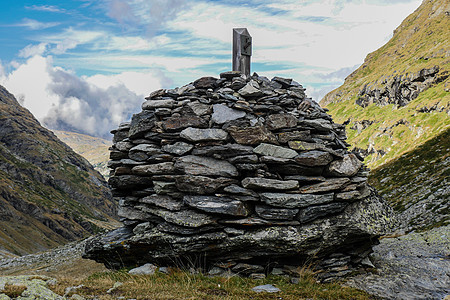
263 183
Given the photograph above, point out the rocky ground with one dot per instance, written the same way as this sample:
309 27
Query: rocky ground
413 266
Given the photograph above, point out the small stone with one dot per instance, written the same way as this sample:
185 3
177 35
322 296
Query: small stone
314 158
319 124
273 213
314 212
141 123
252 135
179 148
271 184
153 104
199 108
147 269
223 114
187 218
198 165
201 135
230 74
250 90
330 184
305 146
278 121
163 201
247 268
220 205
275 151
284 137
177 123
161 168
267 288
201 184
295 200
257 276
205 83
346 167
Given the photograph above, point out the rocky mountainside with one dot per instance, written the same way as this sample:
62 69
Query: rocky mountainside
417 184
48 194
400 96
94 149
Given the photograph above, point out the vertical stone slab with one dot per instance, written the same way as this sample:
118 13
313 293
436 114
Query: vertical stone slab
242 50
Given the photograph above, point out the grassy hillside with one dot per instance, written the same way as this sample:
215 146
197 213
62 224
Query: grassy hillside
48 194
411 108
94 149
417 184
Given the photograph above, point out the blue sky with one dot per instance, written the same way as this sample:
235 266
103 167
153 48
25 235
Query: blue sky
86 65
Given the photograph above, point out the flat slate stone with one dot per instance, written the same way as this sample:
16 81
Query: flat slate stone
198 165
154 169
238 190
205 83
199 108
314 158
201 135
278 121
181 230
178 148
252 135
275 213
219 205
330 184
250 90
319 124
275 151
224 151
223 114
269 184
201 184
153 104
257 221
284 137
174 124
304 146
163 201
295 200
267 288
314 212
187 218
229 75
346 167
141 123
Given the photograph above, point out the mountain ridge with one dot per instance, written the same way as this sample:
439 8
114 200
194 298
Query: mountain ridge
401 91
49 195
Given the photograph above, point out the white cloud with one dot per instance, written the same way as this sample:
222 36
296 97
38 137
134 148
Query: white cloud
92 105
36 25
48 8
70 38
32 50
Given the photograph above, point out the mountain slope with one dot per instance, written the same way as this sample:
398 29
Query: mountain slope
48 194
400 96
417 184
94 149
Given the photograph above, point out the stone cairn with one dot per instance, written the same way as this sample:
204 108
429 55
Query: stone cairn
240 173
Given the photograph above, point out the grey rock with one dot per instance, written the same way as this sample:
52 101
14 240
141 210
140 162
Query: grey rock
147 170
201 184
278 121
187 218
256 221
178 148
247 268
250 90
252 135
182 230
219 205
224 151
269 184
147 269
275 213
319 124
314 212
348 166
176 123
284 137
143 228
329 184
197 165
295 200
153 104
275 151
163 201
199 108
141 123
200 135
266 288
223 114
314 158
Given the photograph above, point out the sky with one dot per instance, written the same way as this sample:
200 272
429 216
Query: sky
86 65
